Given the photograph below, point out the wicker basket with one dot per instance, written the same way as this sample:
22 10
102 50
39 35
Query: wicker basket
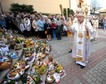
18 46
5 65
49 81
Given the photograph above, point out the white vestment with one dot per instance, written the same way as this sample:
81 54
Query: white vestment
81 45
70 23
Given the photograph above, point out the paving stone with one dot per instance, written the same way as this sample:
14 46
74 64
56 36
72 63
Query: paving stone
102 73
100 67
99 79
90 75
85 76
97 46
89 80
98 73
97 82
69 81
91 71
95 75
92 83
104 78
63 82
80 83
77 81
104 82
87 73
64 60
96 68
94 79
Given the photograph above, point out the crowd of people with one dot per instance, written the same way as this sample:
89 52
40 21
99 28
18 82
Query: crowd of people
42 26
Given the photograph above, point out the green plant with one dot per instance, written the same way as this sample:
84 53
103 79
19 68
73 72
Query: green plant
16 8
68 11
65 12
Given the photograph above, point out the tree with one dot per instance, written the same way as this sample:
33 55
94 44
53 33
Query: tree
16 8
95 5
65 12
68 10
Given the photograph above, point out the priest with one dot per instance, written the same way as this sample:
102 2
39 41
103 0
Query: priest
82 30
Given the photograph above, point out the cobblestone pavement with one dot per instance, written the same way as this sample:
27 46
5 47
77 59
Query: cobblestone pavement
93 73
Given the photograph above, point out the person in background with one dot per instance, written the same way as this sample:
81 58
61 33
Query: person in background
53 27
104 23
2 21
22 28
58 29
35 27
41 27
95 27
47 29
18 21
27 23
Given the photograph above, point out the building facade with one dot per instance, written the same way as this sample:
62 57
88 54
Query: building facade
44 6
0 9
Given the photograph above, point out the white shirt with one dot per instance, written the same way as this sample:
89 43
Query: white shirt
22 27
35 25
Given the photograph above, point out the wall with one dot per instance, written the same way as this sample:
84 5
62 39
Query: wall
45 6
0 9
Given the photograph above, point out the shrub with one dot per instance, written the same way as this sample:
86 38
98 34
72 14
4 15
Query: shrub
16 8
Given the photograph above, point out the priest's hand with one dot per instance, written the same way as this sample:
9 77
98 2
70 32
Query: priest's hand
70 29
86 27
